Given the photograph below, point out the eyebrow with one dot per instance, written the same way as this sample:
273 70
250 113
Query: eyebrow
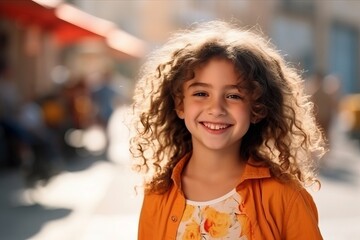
201 84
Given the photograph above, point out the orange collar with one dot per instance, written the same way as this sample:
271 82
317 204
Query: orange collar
250 171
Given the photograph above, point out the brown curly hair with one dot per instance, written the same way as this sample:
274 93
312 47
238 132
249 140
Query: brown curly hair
285 138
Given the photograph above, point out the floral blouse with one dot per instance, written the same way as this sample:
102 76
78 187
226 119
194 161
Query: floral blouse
221 218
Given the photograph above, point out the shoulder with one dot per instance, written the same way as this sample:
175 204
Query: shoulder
156 201
288 191
283 209
288 187
288 197
274 193
292 205
261 178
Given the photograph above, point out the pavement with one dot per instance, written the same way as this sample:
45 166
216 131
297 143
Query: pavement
96 202
338 200
95 199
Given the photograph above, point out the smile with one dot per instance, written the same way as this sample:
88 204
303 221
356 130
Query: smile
215 126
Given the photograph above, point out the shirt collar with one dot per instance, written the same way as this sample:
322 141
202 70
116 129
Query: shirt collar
179 167
250 171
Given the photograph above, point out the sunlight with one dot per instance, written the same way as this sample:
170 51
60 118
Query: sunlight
82 19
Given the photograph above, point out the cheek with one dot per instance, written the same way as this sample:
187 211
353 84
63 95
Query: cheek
192 108
244 115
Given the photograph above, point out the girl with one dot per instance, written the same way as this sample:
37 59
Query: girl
228 138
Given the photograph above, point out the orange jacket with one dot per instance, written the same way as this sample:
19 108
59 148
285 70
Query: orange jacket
275 210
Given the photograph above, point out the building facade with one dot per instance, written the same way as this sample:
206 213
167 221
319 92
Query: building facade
314 35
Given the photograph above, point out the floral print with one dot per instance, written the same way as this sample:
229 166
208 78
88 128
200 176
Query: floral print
222 218
192 231
216 223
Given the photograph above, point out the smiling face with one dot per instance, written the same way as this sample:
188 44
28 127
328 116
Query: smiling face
215 110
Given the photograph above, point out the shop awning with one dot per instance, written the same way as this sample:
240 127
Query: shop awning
69 24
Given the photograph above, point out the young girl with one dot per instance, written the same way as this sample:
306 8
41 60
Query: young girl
228 137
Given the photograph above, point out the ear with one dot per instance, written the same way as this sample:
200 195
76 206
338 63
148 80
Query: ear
179 109
180 113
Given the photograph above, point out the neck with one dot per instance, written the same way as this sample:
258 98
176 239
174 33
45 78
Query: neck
215 163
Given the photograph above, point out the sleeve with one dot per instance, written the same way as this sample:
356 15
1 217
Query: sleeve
301 218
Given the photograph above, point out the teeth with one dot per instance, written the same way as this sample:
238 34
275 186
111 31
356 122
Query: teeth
214 126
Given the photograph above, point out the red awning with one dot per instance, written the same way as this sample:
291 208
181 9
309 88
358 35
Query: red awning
68 24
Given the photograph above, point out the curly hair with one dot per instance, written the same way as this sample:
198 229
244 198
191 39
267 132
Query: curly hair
285 138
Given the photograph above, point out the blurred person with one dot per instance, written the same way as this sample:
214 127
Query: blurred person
78 98
105 97
9 106
350 113
324 91
53 111
9 94
27 141
228 137
44 159
57 119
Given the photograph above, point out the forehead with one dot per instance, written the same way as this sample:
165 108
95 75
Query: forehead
216 71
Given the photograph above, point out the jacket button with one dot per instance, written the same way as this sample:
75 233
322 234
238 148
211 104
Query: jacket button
174 218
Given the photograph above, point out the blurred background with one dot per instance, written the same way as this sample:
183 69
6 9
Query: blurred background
67 73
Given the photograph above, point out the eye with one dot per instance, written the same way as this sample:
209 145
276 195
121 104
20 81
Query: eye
200 94
234 96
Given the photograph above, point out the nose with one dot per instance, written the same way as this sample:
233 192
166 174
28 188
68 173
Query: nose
216 107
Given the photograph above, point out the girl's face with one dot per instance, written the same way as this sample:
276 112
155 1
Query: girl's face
216 112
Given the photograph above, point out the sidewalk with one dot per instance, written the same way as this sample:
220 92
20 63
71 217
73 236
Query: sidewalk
98 202
338 200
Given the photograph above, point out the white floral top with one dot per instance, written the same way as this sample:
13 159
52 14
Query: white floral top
221 218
